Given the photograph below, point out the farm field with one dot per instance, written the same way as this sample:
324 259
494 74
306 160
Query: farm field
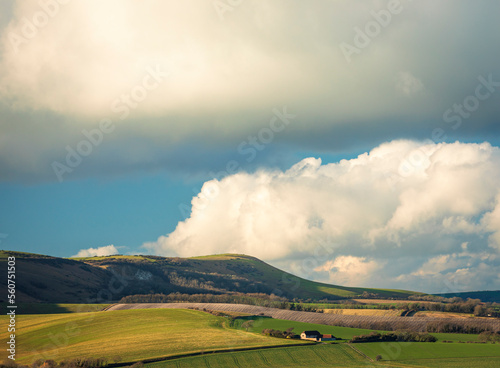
328 355
444 315
345 333
339 355
359 321
131 335
406 352
391 301
140 334
453 363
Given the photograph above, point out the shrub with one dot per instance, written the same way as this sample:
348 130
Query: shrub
405 336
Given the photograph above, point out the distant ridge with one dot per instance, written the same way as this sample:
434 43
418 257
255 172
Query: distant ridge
492 296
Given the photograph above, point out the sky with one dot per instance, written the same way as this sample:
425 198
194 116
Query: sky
350 142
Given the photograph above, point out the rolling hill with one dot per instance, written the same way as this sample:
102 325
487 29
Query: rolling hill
43 278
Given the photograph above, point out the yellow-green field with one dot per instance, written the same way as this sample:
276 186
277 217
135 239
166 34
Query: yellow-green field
132 335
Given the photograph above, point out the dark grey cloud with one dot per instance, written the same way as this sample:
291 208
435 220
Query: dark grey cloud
216 81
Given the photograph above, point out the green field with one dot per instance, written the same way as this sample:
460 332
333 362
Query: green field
453 363
282 324
339 355
132 335
345 333
406 352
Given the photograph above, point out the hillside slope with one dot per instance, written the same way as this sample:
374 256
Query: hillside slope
106 279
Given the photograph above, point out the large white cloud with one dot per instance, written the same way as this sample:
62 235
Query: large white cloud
405 213
107 250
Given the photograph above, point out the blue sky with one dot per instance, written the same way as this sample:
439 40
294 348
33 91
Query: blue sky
357 137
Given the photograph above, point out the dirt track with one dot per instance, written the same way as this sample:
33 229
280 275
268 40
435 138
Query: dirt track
370 322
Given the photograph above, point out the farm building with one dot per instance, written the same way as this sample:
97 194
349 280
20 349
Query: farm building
316 336
328 337
311 335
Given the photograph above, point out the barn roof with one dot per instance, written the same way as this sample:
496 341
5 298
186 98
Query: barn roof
314 333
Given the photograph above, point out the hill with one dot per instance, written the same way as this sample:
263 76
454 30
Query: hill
492 296
43 278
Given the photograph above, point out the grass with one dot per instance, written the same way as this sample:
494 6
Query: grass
132 334
340 355
54 308
304 356
114 257
282 324
492 362
404 351
135 335
345 333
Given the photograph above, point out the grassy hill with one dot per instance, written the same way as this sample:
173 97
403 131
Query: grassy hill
105 279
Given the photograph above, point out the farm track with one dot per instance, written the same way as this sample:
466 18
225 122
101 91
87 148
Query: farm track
359 352
373 322
264 359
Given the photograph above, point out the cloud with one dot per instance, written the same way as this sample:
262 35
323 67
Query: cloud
405 210
91 60
107 250
349 270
